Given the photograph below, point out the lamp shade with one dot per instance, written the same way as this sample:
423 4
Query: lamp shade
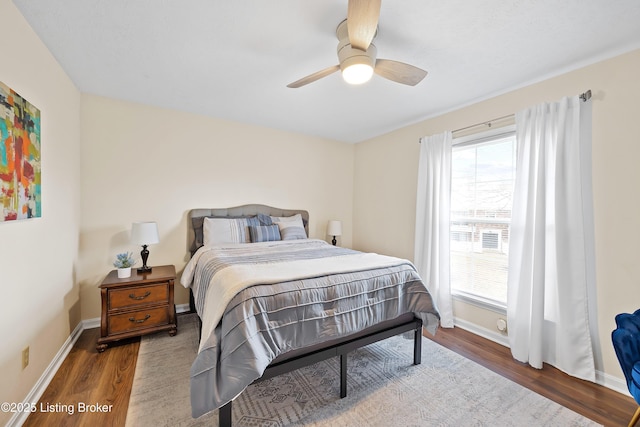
144 233
334 228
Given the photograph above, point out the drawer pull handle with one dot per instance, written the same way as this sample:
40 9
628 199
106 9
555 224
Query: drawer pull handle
133 319
133 296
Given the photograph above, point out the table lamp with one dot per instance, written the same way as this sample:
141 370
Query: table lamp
144 233
334 228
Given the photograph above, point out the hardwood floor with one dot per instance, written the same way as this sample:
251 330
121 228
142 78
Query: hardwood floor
596 402
89 377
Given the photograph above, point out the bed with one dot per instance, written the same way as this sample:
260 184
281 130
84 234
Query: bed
271 300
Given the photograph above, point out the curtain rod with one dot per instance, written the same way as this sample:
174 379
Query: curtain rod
586 96
583 96
487 123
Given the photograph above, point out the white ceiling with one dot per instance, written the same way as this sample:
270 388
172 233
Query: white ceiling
233 59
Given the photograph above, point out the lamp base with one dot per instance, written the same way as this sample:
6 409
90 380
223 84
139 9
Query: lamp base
144 255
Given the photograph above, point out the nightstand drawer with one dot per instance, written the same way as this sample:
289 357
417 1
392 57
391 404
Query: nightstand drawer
142 319
140 295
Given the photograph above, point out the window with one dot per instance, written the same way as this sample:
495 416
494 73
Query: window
482 180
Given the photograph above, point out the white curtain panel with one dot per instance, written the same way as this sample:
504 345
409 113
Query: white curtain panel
551 261
431 252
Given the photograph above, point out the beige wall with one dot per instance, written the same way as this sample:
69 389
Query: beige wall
145 163
39 307
386 173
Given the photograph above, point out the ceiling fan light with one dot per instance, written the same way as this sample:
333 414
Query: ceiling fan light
356 64
356 74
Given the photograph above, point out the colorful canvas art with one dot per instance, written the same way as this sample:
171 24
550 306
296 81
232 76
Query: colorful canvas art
20 175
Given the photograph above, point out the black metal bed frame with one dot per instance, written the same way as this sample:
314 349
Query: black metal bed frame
339 349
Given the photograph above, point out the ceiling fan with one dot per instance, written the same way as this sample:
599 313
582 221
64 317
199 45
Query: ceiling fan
356 53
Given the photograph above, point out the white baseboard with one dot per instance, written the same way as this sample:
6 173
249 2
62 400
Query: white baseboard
603 379
483 332
613 383
182 308
43 382
91 323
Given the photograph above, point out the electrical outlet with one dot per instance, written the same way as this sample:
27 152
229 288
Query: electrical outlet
25 358
502 325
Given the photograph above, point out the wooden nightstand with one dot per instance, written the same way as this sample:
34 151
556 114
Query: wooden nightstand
138 305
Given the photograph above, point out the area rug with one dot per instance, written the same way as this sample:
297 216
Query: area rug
384 389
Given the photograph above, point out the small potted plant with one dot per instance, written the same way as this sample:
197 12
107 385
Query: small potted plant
123 263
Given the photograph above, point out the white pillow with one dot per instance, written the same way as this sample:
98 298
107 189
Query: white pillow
291 227
222 230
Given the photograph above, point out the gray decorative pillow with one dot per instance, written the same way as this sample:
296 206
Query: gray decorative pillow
264 219
291 227
264 233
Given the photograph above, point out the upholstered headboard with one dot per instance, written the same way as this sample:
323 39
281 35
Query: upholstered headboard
196 219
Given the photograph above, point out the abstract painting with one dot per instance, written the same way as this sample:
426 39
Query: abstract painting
20 174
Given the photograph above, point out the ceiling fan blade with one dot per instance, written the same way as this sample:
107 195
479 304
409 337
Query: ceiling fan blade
313 77
362 22
399 72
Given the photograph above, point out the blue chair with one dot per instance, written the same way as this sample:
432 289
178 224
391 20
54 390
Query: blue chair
626 342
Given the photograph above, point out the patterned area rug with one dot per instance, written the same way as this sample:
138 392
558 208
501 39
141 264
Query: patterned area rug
384 389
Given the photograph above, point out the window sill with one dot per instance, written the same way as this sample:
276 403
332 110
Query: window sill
478 301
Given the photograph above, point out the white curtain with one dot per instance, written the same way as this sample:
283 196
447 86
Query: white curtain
551 261
431 254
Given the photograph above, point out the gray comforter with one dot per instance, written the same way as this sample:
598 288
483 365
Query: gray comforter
306 292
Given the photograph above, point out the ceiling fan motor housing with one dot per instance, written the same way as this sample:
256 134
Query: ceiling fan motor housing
348 55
